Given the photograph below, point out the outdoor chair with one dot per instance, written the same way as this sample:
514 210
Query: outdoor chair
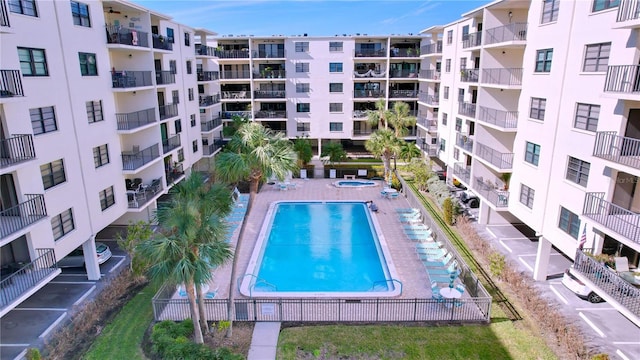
622 264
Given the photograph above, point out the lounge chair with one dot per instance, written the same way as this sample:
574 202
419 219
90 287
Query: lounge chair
428 245
407 210
621 263
415 227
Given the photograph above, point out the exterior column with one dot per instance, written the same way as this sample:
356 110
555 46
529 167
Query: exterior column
542 259
483 213
91 259
319 148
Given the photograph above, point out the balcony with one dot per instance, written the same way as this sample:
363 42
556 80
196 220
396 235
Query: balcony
462 172
269 94
429 149
370 53
232 54
465 142
131 79
136 159
208 75
209 125
209 100
16 149
430 124
261 54
433 100
136 119
174 174
472 40
469 75
139 197
613 217
432 49
467 109
360 114
230 114
369 74
429 74
168 111
4 15
628 14
507 33
22 215
502 161
368 94
212 148
24 277
268 114
171 143
228 95
501 76
271 74
406 52
403 93
362 132
235 74
498 198
205 50
398 73
10 83
161 42
623 79
165 77
609 283
619 149
125 36
499 118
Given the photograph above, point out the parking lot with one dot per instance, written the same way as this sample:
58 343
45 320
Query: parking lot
37 317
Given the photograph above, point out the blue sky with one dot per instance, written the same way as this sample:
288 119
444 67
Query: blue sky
314 17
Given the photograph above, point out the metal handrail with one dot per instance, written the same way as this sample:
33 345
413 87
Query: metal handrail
15 149
23 214
136 119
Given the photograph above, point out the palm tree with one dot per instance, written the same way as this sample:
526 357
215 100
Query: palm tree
254 154
384 144
408 151
379 116
400 119
334 152
302 147
191 242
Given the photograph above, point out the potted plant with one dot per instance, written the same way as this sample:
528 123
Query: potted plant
267 72
506 177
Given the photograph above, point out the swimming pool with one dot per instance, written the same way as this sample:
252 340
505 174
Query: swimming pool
320 249
354 183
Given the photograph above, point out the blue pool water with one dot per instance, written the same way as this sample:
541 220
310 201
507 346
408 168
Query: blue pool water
321 247
354 183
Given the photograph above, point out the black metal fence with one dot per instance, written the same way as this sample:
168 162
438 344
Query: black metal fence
22 215
15 149
136 119
4 14
26 276
126 36
628 10
10 83
140 158
623 79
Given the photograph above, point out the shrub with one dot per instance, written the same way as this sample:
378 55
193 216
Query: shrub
33 354
447 209
496 263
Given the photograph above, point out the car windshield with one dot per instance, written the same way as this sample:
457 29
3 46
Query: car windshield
100 248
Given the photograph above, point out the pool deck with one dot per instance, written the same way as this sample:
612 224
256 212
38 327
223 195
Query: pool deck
409 269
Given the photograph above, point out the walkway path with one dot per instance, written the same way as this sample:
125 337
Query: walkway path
264 341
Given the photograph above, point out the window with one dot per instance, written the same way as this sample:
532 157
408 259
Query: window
335 67
569 222
599 5
80 14
335 87
187 39
180 155
175 96
189 69
578 171
62 224
550 10
303 127
178 126
445 94
449 37
24 7
526 195
458 124
107 199
88 65
335 107
194 145
302 88
596 57
192 118
335 126
463 63
335 45
43 120
543 60
173 67
303 107
536 111
456 153
532 153
101 155
445 118
443 144
190 94
587 117
53 174
302 67
94 111
302 46
447 65
460 95
170 35
33 62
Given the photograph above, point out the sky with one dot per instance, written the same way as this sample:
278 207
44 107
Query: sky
313 17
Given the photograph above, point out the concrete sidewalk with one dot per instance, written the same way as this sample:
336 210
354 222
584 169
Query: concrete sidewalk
264 341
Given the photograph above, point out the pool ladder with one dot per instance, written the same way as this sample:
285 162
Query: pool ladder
257 281
375 283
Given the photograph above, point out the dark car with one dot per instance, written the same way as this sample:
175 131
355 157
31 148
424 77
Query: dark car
470 199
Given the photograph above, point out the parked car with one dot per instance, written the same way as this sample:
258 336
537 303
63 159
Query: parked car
442 174
470 199
579 288
76 257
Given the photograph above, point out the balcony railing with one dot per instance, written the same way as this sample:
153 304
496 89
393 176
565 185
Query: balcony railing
503 161
368 93
469 75
226 95
28 275
165 77
360 114
510 32
16 149
619 149
4 14
628 10
496 197
232 54
126 36
211 148
261 54
10 83
168 111
464 142
271 74
624 222
430 149
467 109
501 118
205 50
267 114
435 48
231 114
429 99
409 52
134 160
235 74
399 73
22 215
211 124
462 172
430 74
208 75
608 282
472 40
209 100
501 76
430 124
269 94
623 79
171 143
362 132
140 198
161 42
130 79
403 93
136 119
370 53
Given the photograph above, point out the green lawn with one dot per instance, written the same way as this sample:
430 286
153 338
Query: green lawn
121 338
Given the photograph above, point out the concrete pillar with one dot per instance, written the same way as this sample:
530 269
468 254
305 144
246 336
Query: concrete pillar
483 213
91 259
598 242
542 259
319 148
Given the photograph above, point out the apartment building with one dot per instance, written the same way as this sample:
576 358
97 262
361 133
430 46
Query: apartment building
538 116
98 119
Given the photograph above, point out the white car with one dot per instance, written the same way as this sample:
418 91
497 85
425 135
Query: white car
76 257
579 288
